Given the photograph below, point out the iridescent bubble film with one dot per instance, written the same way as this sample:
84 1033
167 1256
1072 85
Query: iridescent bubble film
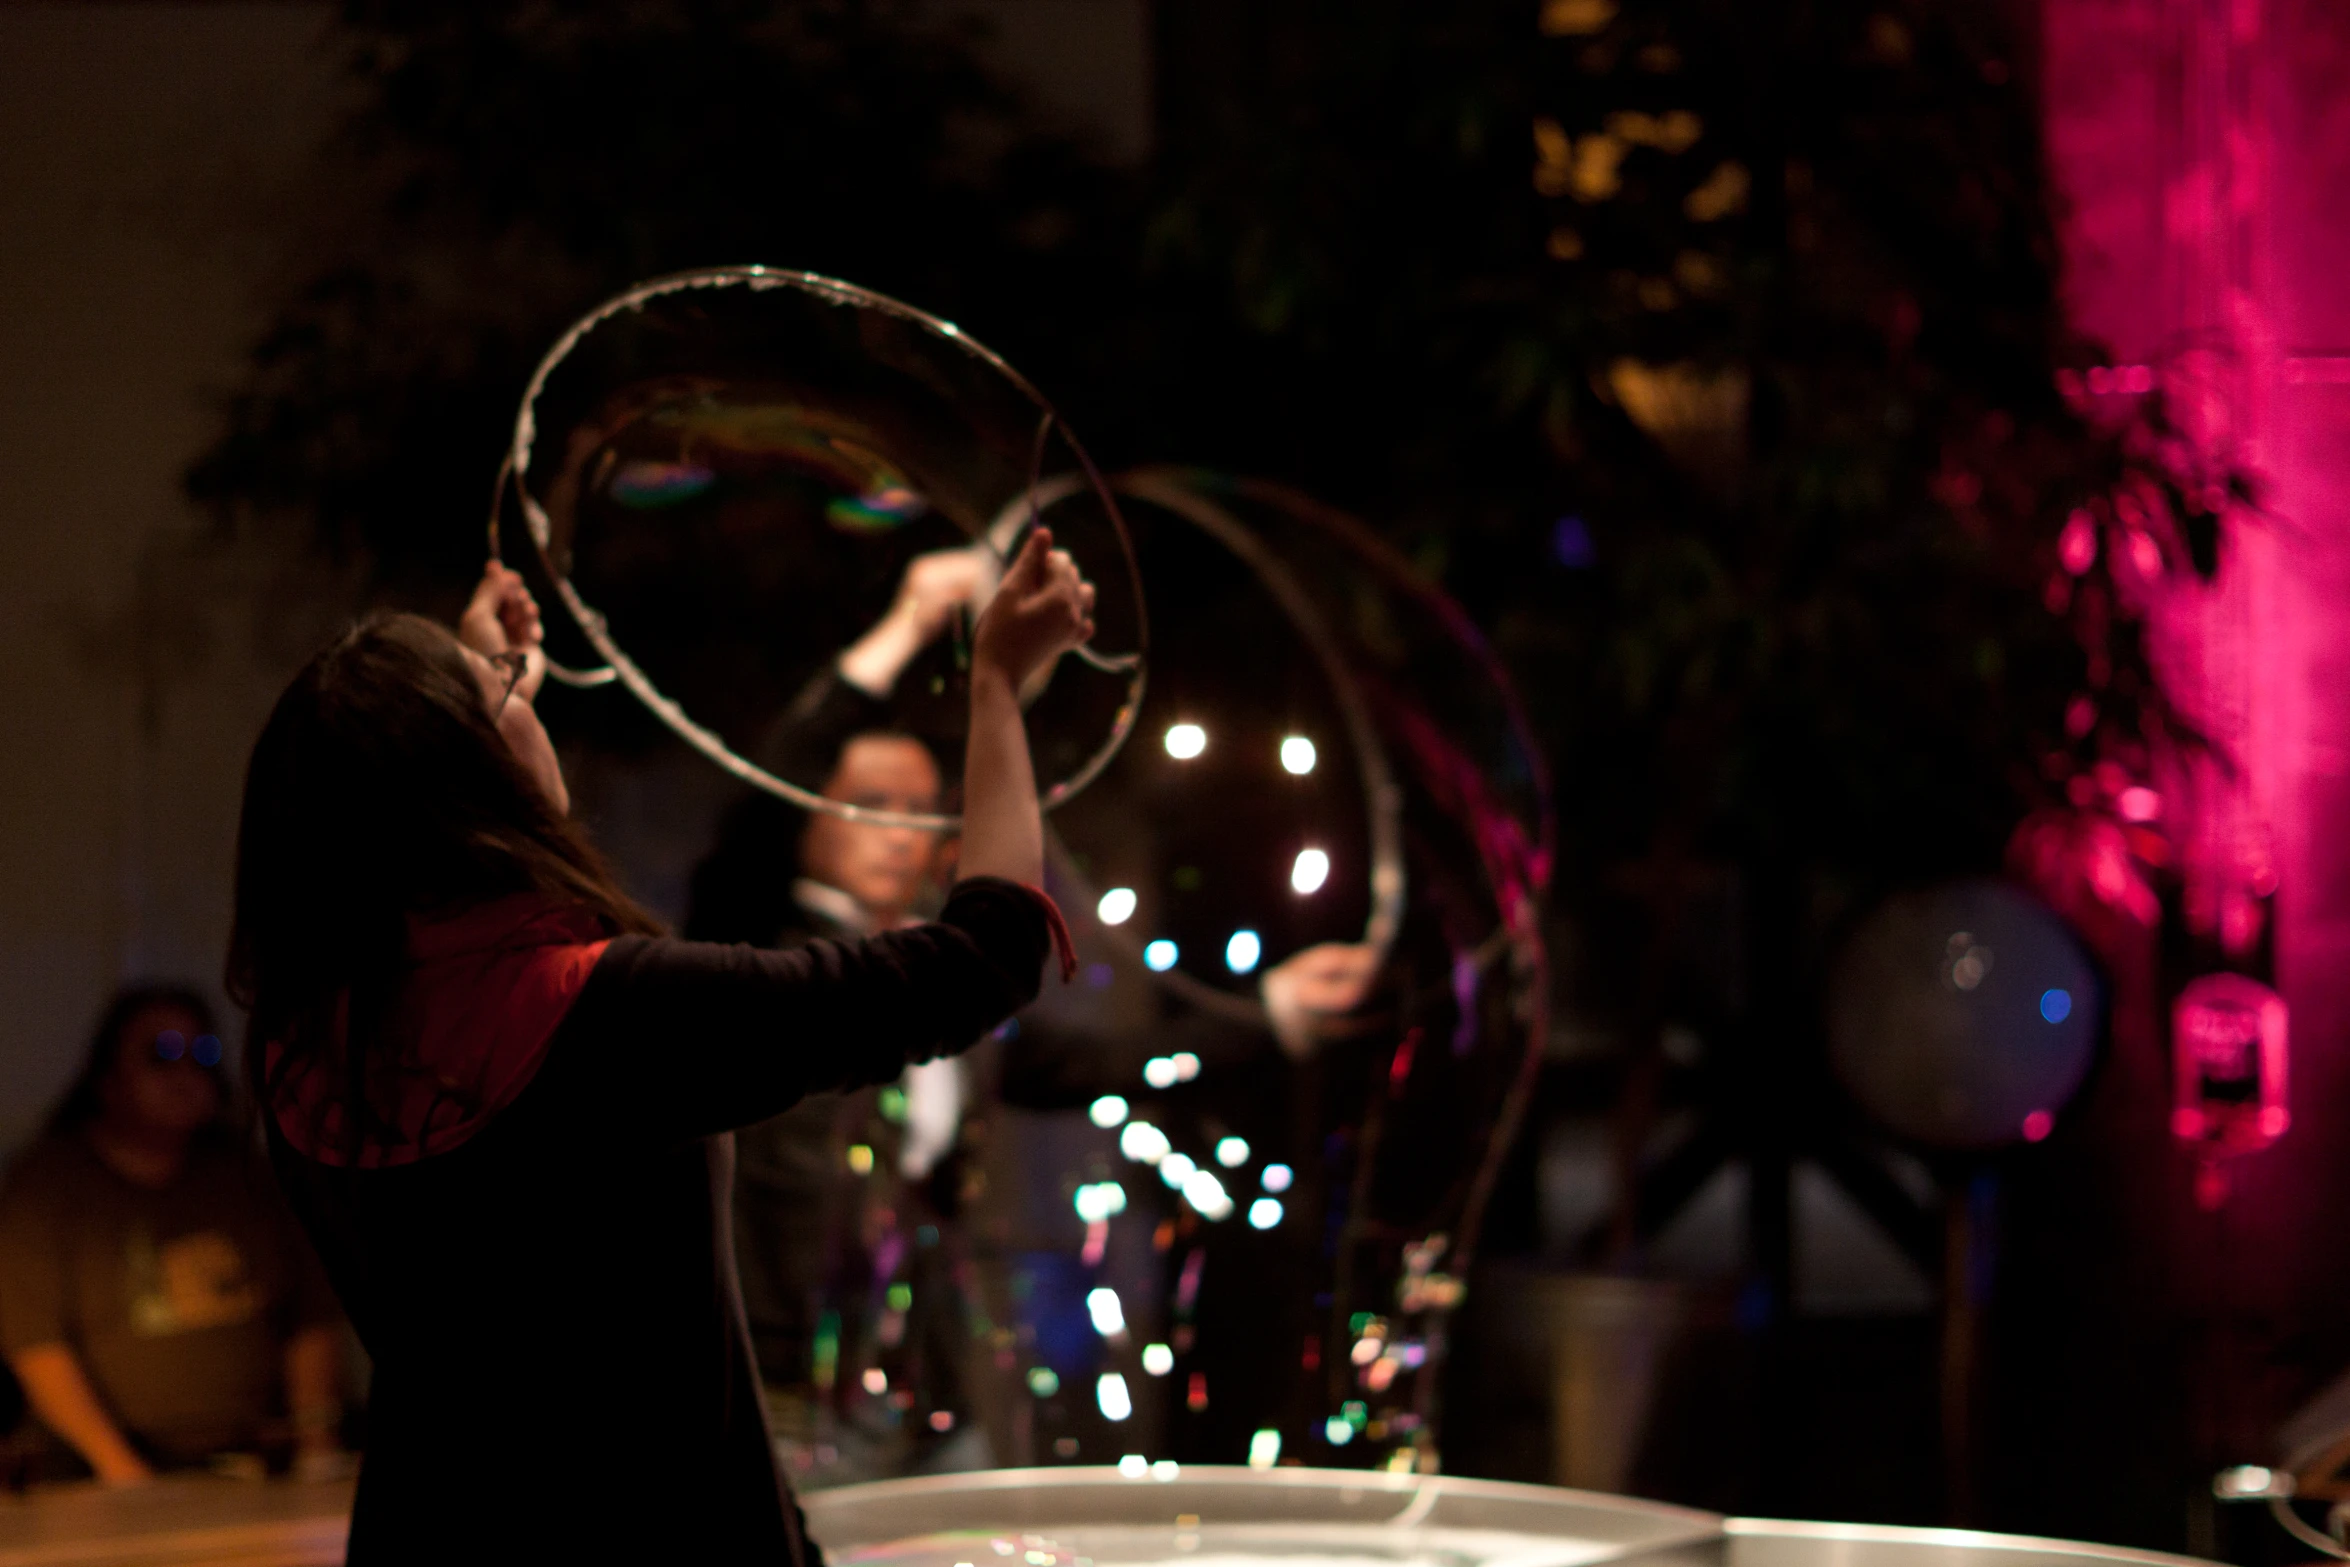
727 475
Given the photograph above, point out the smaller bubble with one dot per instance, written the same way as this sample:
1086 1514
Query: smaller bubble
1044 1382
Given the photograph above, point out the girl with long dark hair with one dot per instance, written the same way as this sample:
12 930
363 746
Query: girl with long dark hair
498 1096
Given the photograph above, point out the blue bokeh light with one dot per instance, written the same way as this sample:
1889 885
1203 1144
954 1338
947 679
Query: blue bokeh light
1571 545
2056 1005
1159 956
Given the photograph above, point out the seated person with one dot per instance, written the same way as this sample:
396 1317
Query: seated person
155 1299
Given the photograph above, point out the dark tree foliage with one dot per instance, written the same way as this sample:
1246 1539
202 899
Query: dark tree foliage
1707 349
510 164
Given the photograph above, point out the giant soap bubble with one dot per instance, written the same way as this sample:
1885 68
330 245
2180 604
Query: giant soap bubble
725 474
1329 754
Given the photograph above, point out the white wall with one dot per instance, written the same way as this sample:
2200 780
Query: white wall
144 151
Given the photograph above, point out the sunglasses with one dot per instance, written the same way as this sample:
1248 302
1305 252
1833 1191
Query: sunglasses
171 1045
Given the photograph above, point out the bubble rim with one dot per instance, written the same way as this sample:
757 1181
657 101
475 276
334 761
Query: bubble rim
619 667
1382 795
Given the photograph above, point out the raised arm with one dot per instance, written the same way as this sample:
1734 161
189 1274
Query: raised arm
1042 609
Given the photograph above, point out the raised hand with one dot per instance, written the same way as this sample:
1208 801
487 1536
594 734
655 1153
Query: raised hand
1309 994
1041 609
933 588
501 618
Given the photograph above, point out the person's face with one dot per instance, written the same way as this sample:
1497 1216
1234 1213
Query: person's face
883 868
509 705
157 1084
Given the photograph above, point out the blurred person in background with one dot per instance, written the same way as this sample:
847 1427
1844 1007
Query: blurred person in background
857 1274
844 1203
156 1301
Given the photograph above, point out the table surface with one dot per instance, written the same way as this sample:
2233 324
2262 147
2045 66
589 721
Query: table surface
192 1522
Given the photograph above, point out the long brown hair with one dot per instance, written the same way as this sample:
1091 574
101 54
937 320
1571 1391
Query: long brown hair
380 788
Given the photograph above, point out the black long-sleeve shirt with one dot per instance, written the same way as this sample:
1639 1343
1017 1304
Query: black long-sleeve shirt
561 1368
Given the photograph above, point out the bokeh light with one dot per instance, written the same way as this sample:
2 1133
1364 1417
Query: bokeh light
1157 1359
1108 1313
1298 755
1185 741
1242 952
1159 1072
1117 906
1160 956
1110 1393
1107 1111
1232 1152
1277 1177
1143 1143
1264 1213
1310 871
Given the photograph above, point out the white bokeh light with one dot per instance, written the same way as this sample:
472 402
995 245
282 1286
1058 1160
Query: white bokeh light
1185 741
1264 1213
1310 871
1297 755
1107 1111
1117 906
1242 951
1231 1152
1160 955
1143 1142
1116 1403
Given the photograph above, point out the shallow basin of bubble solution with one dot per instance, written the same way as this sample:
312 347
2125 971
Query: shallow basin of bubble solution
1224 1517
1205 1516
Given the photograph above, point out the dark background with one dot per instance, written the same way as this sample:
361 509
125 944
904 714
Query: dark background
1755 477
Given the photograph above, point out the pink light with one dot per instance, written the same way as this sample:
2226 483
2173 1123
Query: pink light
2138 804
2038 1125
2328 370
2076 547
